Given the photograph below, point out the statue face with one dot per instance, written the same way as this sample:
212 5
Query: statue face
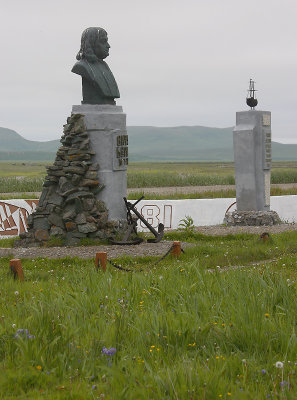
101 48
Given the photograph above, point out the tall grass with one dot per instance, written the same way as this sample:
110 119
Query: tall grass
142 175
13 184
179 332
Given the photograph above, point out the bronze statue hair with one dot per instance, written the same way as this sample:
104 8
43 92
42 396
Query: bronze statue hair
88 39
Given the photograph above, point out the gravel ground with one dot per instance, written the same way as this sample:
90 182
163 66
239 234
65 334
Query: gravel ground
143 249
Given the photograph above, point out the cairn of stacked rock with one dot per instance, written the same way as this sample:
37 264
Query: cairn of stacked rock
68 208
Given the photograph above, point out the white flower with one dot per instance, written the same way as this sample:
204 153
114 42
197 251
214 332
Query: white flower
16 293
279 364
244 361
13 325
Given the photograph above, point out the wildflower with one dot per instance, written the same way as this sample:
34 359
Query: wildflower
16 293
110 351
279 364
263 371
267 315
94 387
283 384
24 333
39 367
13 325
229 394
243 361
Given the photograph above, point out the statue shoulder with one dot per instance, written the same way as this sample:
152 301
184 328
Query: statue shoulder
82 68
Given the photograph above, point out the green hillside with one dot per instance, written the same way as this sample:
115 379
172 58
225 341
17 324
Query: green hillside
11 141
149 143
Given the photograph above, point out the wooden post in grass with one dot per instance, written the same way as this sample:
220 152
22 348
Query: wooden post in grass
101 259
16 268
176 249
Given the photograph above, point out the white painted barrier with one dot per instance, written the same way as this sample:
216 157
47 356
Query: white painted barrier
13 213
205 211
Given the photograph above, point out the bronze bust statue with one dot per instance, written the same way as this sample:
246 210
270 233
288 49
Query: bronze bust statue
98 83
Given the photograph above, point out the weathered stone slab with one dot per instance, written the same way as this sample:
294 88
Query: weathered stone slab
81 219
40 222
87 228
56 220
41 235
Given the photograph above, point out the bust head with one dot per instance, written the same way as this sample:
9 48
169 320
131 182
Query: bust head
94 45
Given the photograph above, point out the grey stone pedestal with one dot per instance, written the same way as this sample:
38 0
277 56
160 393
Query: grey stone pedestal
252 160
106 128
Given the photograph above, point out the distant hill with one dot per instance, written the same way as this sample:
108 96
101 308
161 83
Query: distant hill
191 143
148 143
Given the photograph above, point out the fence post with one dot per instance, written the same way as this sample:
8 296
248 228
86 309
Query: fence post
101 259
176 249
16 268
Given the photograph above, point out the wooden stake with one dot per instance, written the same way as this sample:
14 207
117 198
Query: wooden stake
176 249
16 268
101 259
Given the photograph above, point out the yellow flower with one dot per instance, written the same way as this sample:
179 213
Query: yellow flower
41 290
267 315
217 358
39 367
220 395
229 394
153 346
158 349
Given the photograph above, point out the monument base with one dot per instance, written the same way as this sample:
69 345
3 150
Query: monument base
252 218
70 208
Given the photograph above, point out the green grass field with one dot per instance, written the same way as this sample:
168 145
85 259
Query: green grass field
28 177
187 328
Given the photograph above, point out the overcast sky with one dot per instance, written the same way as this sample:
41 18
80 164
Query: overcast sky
176 62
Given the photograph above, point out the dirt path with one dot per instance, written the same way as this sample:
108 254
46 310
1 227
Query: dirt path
169 189
143 249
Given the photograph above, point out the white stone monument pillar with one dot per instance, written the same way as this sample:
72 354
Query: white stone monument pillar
252 161
106 128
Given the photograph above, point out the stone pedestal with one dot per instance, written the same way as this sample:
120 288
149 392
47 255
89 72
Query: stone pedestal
106 128
252 160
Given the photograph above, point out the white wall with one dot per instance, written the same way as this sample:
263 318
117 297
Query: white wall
171 212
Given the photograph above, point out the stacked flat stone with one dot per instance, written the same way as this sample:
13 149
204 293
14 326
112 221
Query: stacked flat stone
68 207
252 218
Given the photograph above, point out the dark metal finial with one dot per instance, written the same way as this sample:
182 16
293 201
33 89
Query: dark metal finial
251 100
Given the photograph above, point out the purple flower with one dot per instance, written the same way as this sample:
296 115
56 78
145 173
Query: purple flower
283 383
110 351
263 371
94 387
24 333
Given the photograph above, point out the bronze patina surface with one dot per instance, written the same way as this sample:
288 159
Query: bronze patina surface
98 83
